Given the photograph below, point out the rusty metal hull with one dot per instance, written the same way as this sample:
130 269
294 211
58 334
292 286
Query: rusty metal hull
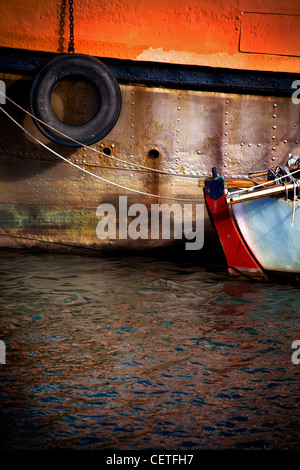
46 201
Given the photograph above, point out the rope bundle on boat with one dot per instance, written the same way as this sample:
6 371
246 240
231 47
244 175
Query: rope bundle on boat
293 170
286 173
282 175
283 178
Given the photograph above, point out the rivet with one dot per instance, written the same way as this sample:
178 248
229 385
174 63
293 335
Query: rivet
227 101
242 143
132 136
226 122
274 115
274 127
132 114
273 158
226 154
258 145
132 125
132 92
179 108
273 148
275 105
226 112
249 145
296 141
225 164
225 133
285 141
273 136
178 119
199 151
132 102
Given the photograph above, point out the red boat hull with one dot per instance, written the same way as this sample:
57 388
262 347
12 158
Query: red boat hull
239 259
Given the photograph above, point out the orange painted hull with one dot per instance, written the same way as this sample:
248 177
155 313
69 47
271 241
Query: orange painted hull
237 34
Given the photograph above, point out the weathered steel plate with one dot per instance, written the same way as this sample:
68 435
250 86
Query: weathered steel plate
186 132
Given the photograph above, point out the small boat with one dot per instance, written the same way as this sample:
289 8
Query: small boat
258 226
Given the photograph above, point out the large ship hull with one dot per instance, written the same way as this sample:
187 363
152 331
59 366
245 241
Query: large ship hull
187 106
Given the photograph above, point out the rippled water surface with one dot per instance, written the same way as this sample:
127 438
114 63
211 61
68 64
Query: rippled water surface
140 353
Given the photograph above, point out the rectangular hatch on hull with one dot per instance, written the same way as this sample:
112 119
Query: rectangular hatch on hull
270 33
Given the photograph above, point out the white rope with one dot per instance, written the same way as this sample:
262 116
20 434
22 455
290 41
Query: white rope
92 174
123 161
98 151
294 204
296 183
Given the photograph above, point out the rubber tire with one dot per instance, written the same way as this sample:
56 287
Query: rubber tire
85 67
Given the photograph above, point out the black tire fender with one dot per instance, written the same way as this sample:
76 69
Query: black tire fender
87 68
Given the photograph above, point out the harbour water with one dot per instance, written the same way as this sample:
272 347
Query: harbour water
139 352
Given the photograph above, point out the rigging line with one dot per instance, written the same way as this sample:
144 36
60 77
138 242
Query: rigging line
296 183
50 242
123 161
92 174
294 204
98 151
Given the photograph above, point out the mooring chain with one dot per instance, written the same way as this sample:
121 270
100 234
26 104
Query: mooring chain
71 47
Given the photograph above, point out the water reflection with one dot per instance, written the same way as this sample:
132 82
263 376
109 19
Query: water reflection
138 353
